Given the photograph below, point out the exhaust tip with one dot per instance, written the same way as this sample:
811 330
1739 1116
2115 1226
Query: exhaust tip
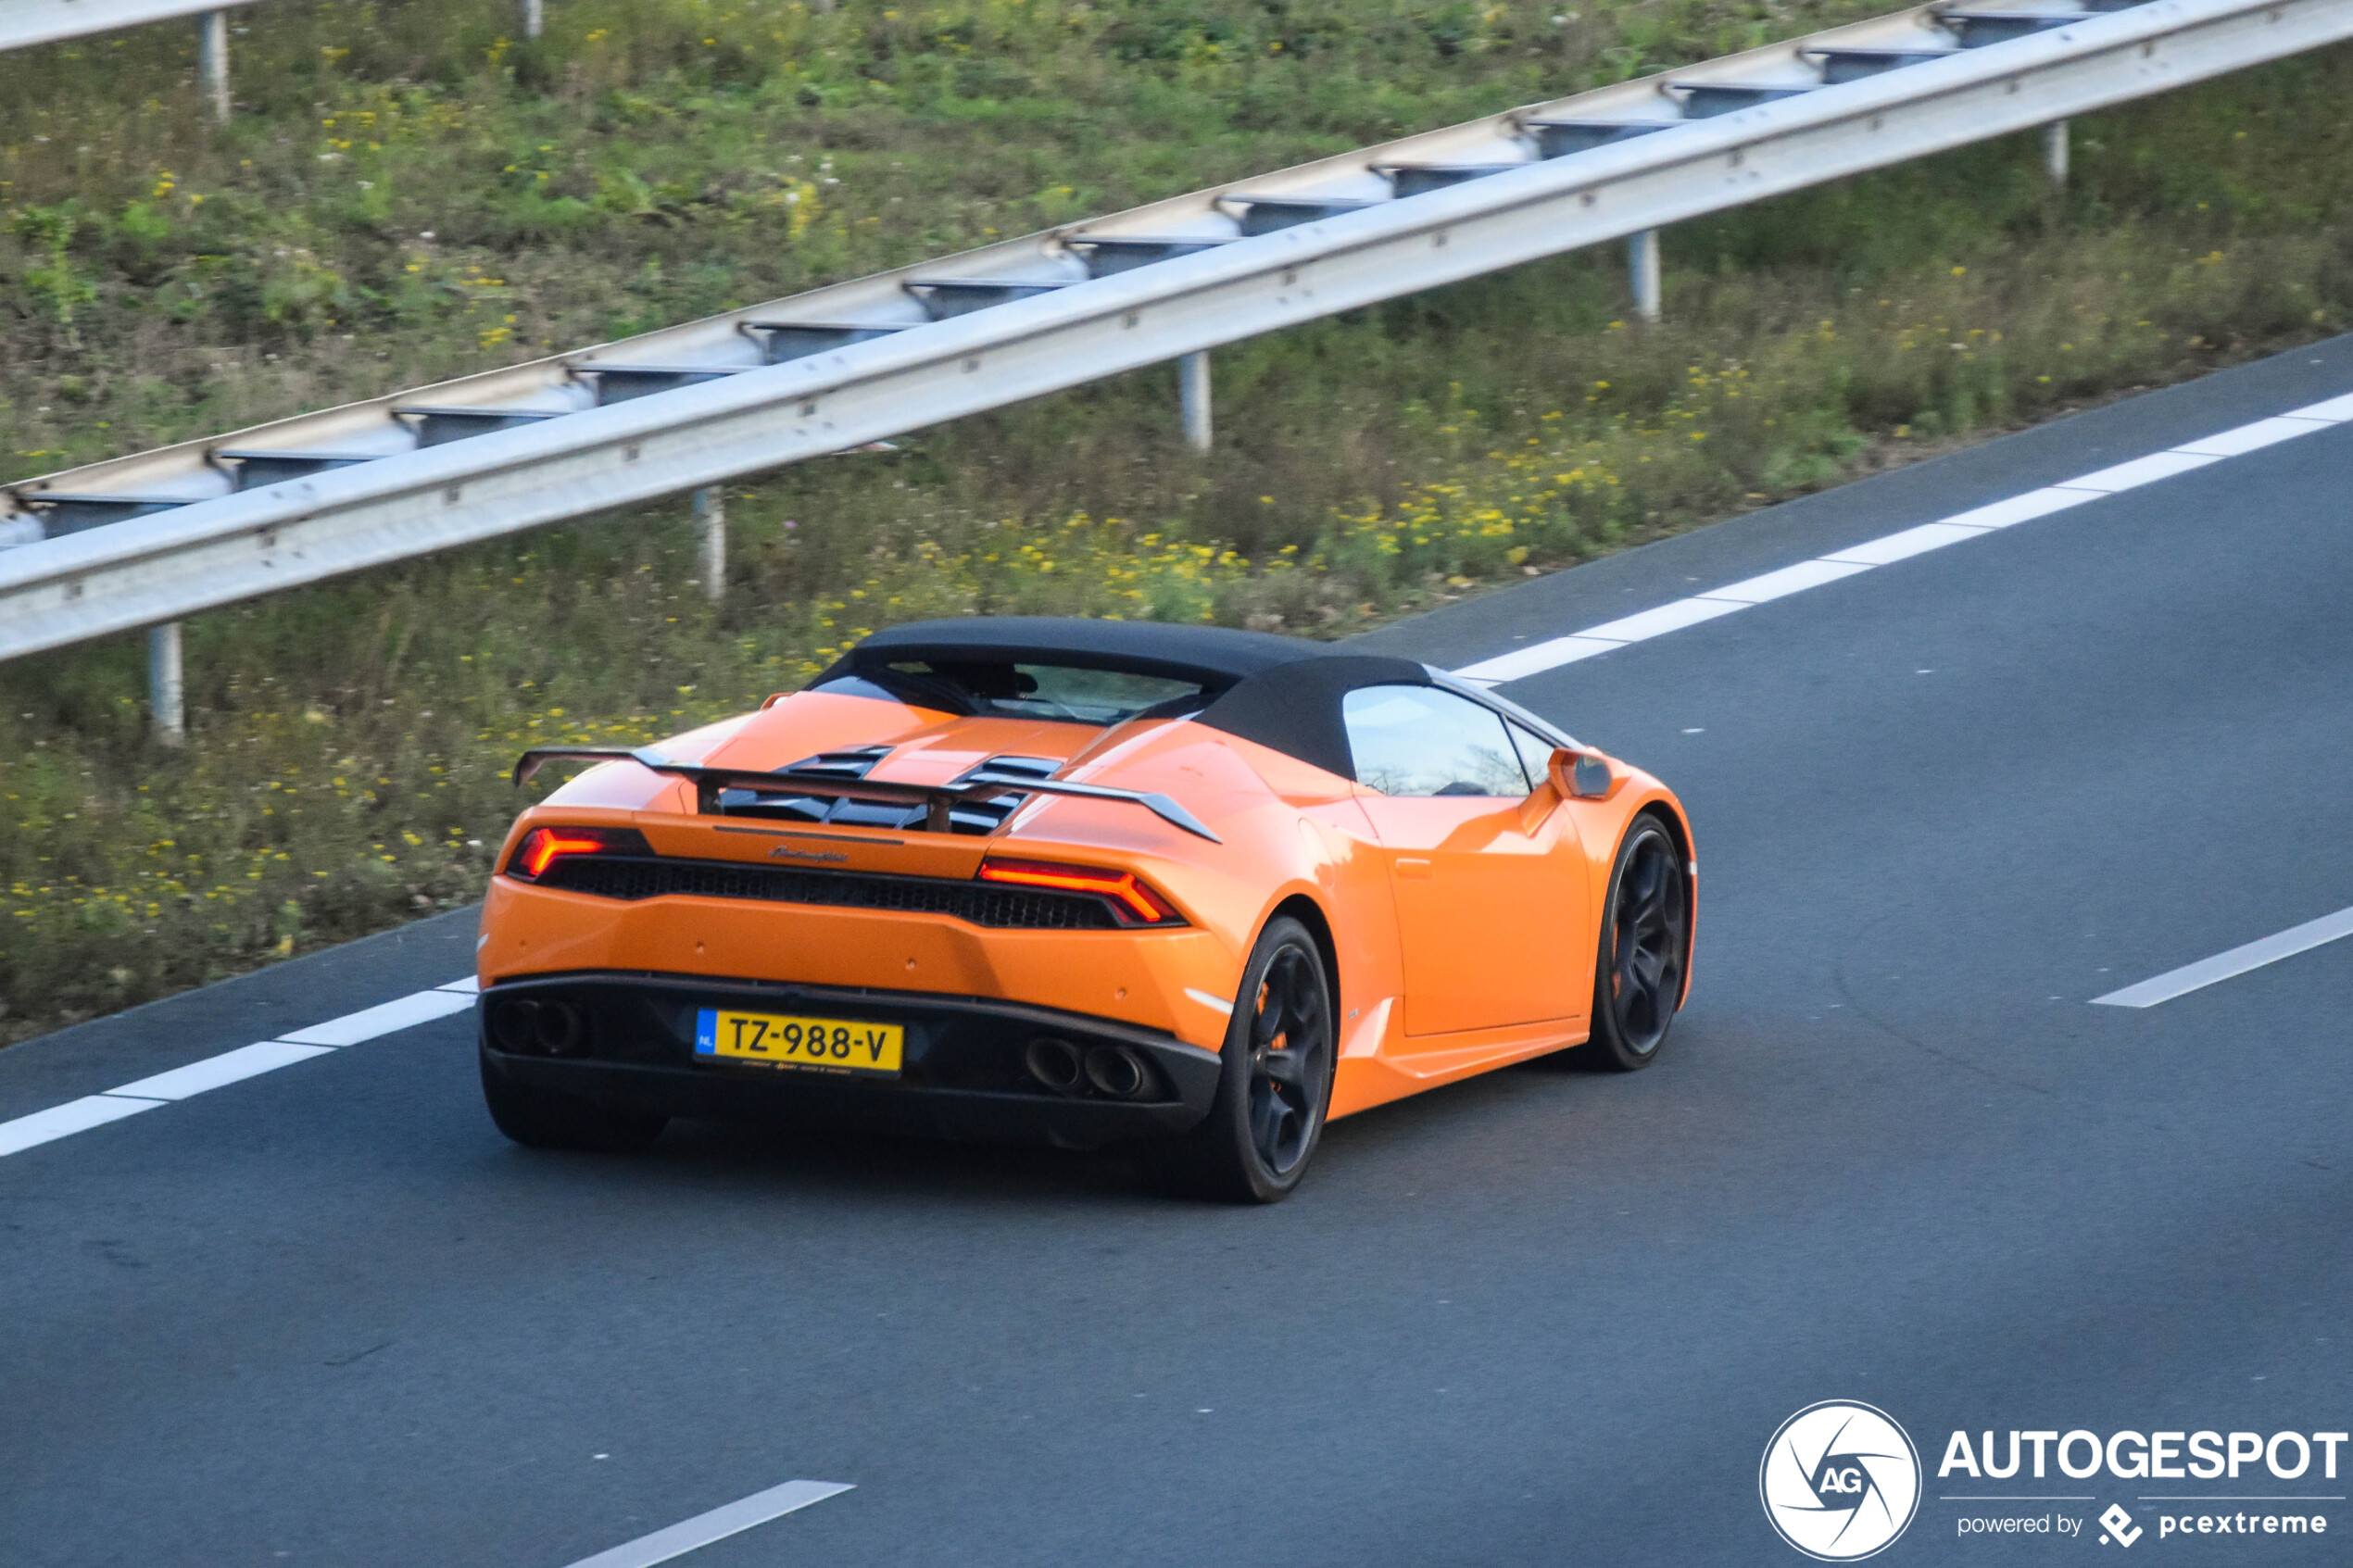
1054 1064
559 1030
515 1026
1119 1072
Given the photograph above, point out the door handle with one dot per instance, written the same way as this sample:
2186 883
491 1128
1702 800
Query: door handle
1411 869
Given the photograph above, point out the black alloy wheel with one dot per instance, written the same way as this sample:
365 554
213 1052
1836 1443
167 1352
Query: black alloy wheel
1268 1115
1290 1058
1646 929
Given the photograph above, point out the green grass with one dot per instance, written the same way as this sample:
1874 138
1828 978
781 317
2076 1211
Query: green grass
651 161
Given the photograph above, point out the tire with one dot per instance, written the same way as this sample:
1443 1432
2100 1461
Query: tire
1276 1083
1645 941
539 1118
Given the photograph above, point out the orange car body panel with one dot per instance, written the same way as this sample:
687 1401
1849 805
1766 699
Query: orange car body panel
1463 931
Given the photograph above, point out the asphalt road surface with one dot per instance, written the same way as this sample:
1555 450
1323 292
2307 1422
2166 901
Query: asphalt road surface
1893 1152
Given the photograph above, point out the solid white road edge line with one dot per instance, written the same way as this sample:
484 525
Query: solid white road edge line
402 1012
1520 663
2225 966
236 1066
718 1524
213 1071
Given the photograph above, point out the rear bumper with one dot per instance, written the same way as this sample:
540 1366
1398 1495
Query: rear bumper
963 1074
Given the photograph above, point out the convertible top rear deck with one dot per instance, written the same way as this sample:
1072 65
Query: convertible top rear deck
938 801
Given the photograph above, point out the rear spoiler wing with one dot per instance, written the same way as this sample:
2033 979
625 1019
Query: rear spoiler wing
938 800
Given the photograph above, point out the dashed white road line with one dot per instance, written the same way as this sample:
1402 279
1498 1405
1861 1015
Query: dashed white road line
236 1066
2237 962
1520 663
718 1524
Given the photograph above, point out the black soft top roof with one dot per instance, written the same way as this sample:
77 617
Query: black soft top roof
1284 692
1215 657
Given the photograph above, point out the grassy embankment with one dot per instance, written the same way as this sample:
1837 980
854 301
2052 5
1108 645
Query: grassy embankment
405 194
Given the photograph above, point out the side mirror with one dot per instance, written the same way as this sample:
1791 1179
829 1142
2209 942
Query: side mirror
1584 775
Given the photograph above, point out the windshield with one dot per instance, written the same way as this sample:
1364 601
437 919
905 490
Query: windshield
1063 692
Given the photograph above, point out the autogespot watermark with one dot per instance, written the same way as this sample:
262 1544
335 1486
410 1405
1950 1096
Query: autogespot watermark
2081 1454
1841 1481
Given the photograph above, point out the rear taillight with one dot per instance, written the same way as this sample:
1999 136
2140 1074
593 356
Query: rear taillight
542 847
1132 902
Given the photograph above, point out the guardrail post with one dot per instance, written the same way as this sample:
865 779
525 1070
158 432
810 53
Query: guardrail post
533 17
2055 153
711 540
1192 397
1641 262
212 62
165 700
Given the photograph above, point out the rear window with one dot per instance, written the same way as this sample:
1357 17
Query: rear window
1061 691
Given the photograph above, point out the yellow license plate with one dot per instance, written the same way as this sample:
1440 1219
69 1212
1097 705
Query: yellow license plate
823 1045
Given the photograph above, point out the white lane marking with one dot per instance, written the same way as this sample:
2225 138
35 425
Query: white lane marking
470 986
403 1012
2022 508
1890 548
1205 999
2238 961
1787 581
1529 660
2336 410
2139 472
61 1121
231 1067
2248 438
1658 622
718 1524
214 1071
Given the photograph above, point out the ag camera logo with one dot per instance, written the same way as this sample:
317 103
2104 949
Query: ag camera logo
1840 1481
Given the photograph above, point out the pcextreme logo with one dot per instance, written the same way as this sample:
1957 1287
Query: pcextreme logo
1840 1481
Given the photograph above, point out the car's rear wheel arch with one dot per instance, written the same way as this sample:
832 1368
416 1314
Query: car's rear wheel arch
1307 912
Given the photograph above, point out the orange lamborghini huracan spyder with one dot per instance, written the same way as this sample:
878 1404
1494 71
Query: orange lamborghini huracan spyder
1079 881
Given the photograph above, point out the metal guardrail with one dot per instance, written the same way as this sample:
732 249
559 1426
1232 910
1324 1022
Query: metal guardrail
146 539
26 22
